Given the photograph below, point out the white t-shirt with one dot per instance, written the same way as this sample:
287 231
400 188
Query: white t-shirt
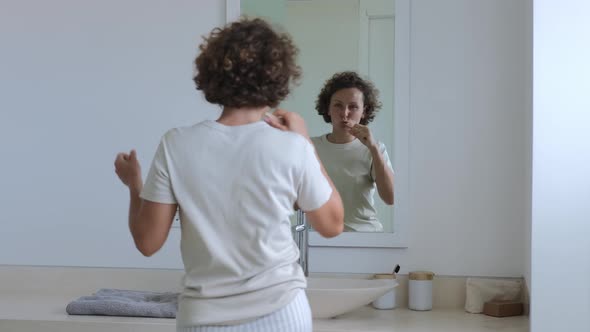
350 166
236 187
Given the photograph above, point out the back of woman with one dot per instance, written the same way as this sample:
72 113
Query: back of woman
235 187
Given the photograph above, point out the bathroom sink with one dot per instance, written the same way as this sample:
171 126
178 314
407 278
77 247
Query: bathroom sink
330 297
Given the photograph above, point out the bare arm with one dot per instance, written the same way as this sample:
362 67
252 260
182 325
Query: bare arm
327 220
149 222
383 176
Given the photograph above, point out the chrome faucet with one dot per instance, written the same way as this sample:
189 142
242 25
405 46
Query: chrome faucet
300 236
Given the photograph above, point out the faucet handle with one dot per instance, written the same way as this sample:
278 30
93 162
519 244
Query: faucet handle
299 228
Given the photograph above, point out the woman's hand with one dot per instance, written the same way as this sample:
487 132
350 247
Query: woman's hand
363 133
287 121
129 171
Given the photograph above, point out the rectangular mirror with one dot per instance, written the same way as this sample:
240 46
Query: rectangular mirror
370 37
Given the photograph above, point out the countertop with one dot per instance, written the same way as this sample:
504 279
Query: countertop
32 312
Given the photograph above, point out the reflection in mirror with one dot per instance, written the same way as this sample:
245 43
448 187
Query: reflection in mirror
335 36
356 162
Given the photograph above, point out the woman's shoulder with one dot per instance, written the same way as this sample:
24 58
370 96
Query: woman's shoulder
194 128
318 140
283 135
182 133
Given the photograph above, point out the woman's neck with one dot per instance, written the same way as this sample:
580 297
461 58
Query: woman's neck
236 116
340 137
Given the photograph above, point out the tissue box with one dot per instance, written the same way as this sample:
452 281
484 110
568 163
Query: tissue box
479 291
503 308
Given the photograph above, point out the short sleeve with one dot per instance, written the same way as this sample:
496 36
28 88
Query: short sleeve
158 187
313 190
383 151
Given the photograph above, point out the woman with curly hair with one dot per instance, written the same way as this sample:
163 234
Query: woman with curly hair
235 189
354 160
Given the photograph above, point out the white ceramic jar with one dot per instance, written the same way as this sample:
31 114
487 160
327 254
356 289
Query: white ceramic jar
387 300
420 290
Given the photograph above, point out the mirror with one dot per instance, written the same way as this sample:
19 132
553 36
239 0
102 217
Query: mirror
350 35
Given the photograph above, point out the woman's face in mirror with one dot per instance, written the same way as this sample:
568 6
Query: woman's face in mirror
346 108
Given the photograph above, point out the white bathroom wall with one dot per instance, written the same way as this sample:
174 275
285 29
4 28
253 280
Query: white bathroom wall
560 291
81 81
468 147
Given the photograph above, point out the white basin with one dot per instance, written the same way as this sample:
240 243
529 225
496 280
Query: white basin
329 297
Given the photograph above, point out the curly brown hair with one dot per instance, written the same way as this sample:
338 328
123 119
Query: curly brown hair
246 64
345 80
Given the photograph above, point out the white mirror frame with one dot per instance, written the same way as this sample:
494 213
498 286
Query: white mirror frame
399 238
232 10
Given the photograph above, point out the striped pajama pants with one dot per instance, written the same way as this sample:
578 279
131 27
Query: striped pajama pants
295 317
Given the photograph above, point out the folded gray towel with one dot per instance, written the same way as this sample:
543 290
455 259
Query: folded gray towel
119 302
